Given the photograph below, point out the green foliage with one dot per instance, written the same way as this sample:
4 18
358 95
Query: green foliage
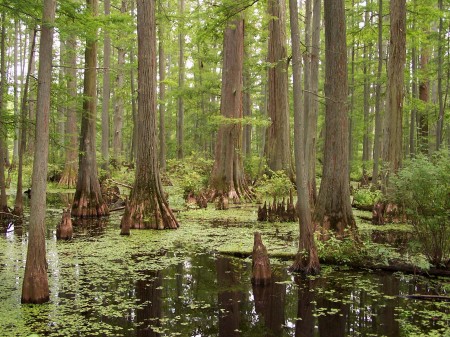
191 174
253 166
276 185
422 187
366 197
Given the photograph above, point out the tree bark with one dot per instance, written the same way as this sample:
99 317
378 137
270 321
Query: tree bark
307 259
106 90
378 120
147 207
119 106
181 66
69 175
18 204
392 130
278 143
333 210
35 282
3 146
424 96
16 94
314 101
440 121
227 177
162 96
88 200
412 124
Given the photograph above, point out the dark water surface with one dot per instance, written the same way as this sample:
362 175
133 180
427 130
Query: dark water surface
155 284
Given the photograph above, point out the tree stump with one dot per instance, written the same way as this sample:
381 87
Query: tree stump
261 271
262 212
64 231
222 202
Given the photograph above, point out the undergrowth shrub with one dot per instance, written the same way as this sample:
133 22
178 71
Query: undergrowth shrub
191 174
366 197
422 188
277 185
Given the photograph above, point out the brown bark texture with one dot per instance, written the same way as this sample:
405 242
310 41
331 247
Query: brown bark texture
307 259
392 130
69 175
261 271
424 96
278 142
88 200
3 144
64 231
227 178
147 207
333 209
106 90
18 204
35 282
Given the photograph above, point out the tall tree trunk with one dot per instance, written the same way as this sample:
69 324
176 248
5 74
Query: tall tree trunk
247 110
227 177
147 207
378 120
278 144
333 210
366 108
69 175
119 106
307 71
35 282
106 90
412 124
61 106
392 130
3 146
18 204
88 200
162 96
133 99
16 93
314 101
307 259
440 121
31 106
181 66
424 96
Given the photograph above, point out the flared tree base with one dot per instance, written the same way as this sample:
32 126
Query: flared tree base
147 214
35 287
89 207
68 178
306 264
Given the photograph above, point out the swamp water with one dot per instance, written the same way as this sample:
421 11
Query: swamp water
176 283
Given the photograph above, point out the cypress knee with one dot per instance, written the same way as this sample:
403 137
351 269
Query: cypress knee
64 231
261 271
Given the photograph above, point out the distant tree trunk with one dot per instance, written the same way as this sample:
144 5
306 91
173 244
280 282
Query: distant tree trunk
16 93
314 110
69 175
227 177
35 282
133 99
119 106
247 111
106 90
162 97
181 66
18 204
392 135
3 146
31 106
147 207
424 96
366 108
378 120
307 259
412 124
278 144
307 71
333 210
88 200
61 99
440 121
